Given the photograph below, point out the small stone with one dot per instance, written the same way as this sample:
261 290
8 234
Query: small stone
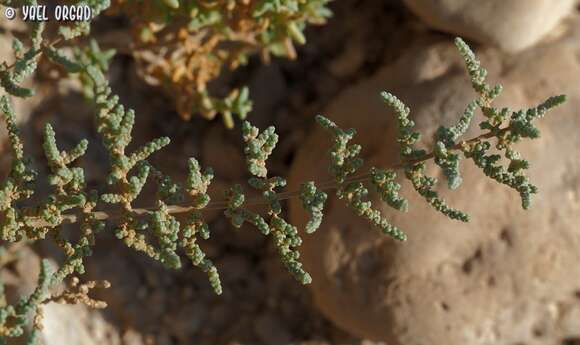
76 325
512 25
132 337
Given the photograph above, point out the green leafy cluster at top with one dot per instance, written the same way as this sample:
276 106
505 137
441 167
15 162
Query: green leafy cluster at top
258 148
159 234
345 162
502 129
184 45
279 20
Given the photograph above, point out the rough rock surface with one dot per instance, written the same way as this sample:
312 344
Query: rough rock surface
509 276
76 325
62 324
512 25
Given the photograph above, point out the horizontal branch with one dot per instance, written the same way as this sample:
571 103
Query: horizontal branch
39 51
258 201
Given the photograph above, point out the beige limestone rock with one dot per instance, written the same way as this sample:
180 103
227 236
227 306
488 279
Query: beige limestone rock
76 325
62 324
512 25
509 276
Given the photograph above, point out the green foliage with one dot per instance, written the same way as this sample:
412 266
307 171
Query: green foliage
388 189
507 126
289 18
13 319
159 234
345 162
184 45
285 18
313 202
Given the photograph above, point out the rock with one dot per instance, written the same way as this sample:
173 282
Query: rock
132 337
61 324
512 25
19 272
507 277
66 324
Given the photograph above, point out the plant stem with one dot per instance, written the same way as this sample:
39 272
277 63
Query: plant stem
39 51
258 201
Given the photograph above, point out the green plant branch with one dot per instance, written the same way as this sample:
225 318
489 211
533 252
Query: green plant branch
327 185
39 52
157 233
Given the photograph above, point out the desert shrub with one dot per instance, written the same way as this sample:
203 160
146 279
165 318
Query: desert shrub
183 45
156 231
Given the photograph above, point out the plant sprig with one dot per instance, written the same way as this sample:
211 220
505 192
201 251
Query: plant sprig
158 233
184 45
